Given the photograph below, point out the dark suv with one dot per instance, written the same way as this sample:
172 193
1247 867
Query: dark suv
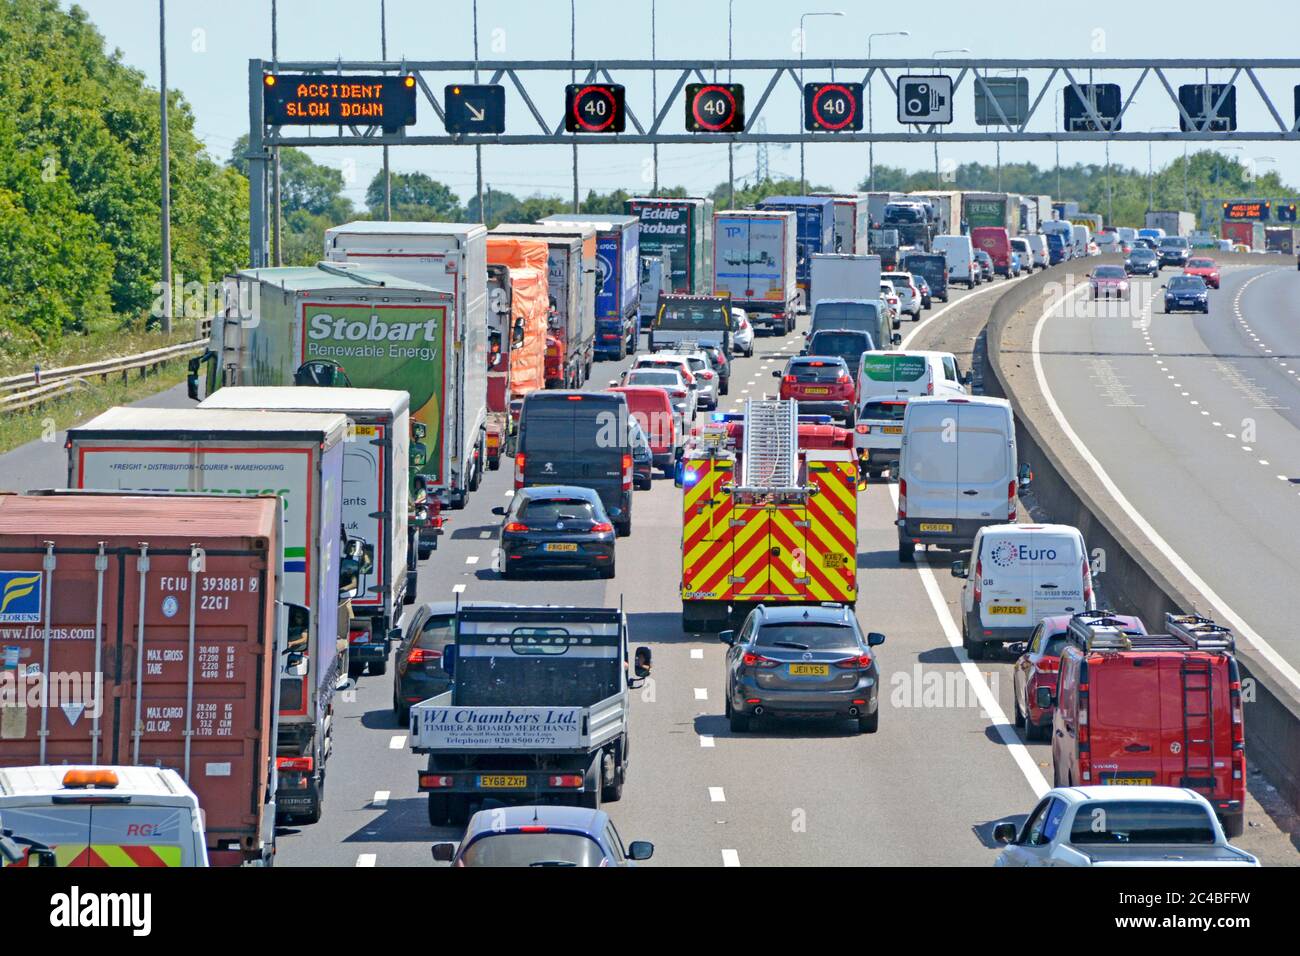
417 662
802 660
1174 251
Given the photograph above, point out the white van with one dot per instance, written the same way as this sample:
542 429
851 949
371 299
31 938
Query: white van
1038 248
961 259
105 816
957 471
1022 574
887 381
1082 240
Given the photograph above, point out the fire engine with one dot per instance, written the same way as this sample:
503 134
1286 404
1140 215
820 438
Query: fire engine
769 514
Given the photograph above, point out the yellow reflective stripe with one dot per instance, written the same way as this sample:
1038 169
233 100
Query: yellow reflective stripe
112 855
65 853
170 855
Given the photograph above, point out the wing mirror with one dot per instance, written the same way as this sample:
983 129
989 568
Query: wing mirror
727 637
418 455
959 569
1005 833
642 663
1025 476
443 852
875 639
499 511
776 373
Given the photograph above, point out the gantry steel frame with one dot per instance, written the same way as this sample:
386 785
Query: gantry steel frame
551 132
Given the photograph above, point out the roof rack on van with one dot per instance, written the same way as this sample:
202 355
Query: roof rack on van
1100 631
1200 632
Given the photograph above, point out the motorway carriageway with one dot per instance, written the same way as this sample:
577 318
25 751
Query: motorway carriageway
1195 419
925 790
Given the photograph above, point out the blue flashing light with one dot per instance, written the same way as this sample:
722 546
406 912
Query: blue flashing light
691 477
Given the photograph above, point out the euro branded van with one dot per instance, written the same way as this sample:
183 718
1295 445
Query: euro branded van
105 815
1022 574
578 438
961 259
1152 709
886 382
957 471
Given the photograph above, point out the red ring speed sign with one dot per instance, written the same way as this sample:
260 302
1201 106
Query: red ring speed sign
610 117
727 117
848 97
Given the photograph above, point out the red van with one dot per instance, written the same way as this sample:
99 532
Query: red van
1154 709
997 243
651 408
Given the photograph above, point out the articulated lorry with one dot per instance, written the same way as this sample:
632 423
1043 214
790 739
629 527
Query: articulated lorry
682 228
991 209
298 457
947 209
376 486
518 313
852 221
535 710
754 265
1172 221
571 293
815 232
339 324
148 631
617 281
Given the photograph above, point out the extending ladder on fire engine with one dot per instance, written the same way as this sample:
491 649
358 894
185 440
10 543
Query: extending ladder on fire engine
771 447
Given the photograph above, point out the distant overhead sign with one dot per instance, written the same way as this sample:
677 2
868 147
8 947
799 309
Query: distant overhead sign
1009 92
1199 100
715 107
324 100
1257 209
475 108
594 108
1106 102
925 99
1286 212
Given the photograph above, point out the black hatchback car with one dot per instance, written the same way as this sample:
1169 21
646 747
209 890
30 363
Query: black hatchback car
1142 262
810 661
551 527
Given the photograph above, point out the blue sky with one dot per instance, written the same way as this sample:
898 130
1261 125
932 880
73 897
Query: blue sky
209 45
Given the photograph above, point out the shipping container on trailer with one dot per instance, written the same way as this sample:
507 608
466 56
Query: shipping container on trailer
295 455
683 228
376 487
572 293
618 280
754 263
148 630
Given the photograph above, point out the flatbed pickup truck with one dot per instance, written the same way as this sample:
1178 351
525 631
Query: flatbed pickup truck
537 711
1121 825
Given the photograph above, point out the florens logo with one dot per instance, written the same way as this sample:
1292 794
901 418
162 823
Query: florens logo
20 597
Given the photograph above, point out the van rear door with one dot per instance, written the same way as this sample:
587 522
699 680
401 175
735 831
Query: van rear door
931 461
1057 561
1007 580
1125 716
984 465
64 829
142 835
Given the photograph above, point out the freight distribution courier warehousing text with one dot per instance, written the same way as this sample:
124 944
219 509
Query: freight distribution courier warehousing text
402 346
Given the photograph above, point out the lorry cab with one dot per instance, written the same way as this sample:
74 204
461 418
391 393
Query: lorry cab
957 471
1022 574
105 816
1154 709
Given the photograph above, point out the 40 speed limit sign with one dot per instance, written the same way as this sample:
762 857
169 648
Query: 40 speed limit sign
594 108
715 107
832 107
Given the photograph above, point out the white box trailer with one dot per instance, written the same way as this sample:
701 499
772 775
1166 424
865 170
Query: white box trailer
450 257
297 456
754 262
852 221
844 277
947 209
376 493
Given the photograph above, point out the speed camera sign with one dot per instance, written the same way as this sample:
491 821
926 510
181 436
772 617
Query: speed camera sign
924 99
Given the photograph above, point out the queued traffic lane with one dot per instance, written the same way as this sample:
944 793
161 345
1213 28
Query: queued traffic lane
1196 418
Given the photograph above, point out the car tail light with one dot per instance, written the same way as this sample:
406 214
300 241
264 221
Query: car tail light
627 472
1238 727
758 660
788 380
1087 581
565 780
863 429
979 579
707 376
436 781
929 387
902 498
1011 500
861 662
295 764
519 469
602 527
516 527
420 655
1085 767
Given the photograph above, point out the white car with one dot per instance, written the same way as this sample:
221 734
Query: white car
1119 826
708 382
681 394
694 367
742 333
893 304
909 296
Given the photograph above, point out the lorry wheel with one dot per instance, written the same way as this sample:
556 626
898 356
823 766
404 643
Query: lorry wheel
905 550
378 667
355 669
1234 825
438 809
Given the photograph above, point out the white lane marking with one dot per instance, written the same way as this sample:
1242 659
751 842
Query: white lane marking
701 693
730 858
366 859
716 795
1263 461
485 534
380 799
956 302
510 492
1161 545
398 742
697 653
472 559
458 589
706 740
988 702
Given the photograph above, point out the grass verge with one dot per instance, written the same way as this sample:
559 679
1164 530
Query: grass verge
94 346
18 428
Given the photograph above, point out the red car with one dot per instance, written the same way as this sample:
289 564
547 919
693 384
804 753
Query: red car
1109 282
1207 269
1040 664
821 384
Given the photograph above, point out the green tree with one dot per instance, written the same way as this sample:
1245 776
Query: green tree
414 196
